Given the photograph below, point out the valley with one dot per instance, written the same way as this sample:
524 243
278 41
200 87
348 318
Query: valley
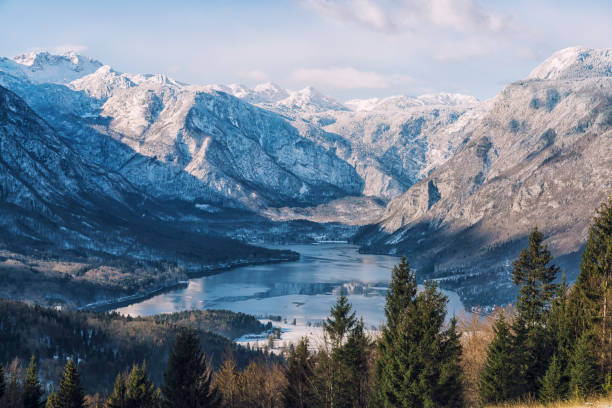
125 184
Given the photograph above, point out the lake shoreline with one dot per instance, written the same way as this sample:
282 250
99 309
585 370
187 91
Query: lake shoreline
127 300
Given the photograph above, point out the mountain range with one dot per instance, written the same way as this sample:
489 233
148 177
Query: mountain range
92 157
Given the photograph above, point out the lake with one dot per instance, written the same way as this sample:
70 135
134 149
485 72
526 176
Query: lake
303 290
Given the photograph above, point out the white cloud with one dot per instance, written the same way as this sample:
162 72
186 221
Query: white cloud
411 15
254 75
363 12
464 15
346 78
64 48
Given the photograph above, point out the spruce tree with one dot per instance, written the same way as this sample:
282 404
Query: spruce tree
401 293
140 390
70 393
591 299
334 374
496 378
118 398
353 356
552 383
340 322
584 371
449 388
534 274
188 379
300 391
426 356
32 391
560 327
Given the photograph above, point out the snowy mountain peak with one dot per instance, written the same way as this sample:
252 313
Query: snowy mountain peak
575 63
403 102
102 83
310 100
156 79
271 92
63 68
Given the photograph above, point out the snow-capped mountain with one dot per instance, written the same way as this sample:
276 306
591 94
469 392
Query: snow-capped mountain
232 145
575 63
403 102
184 142
540 155
392 142
44 67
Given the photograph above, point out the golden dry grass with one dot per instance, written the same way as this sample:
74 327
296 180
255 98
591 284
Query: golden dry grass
602 402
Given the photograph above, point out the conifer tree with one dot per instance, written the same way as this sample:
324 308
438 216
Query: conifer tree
534 276
591 299
422 349
532 346
140 390
353 358
552 383
70 394
32 391
188 380
333 372
340 322
300 391
560 327
118 398
401 293
496 378
584 372
449 388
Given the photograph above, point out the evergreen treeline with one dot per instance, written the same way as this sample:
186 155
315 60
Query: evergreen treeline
559 342
555 344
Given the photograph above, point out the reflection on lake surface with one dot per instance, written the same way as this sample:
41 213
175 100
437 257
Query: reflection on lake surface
303 290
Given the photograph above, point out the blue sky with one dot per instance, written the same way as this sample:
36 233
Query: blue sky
345 48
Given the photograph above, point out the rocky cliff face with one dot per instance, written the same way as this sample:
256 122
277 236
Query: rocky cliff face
540 156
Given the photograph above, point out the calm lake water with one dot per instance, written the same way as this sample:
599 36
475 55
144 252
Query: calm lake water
303 290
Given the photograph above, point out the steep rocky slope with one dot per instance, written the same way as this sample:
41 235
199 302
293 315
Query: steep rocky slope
391 142
541 155
58 209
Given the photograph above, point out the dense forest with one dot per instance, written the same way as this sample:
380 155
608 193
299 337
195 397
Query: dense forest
554 343
107 343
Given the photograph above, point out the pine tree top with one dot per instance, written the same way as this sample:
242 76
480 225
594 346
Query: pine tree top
341 321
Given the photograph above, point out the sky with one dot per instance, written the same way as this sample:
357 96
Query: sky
345 48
